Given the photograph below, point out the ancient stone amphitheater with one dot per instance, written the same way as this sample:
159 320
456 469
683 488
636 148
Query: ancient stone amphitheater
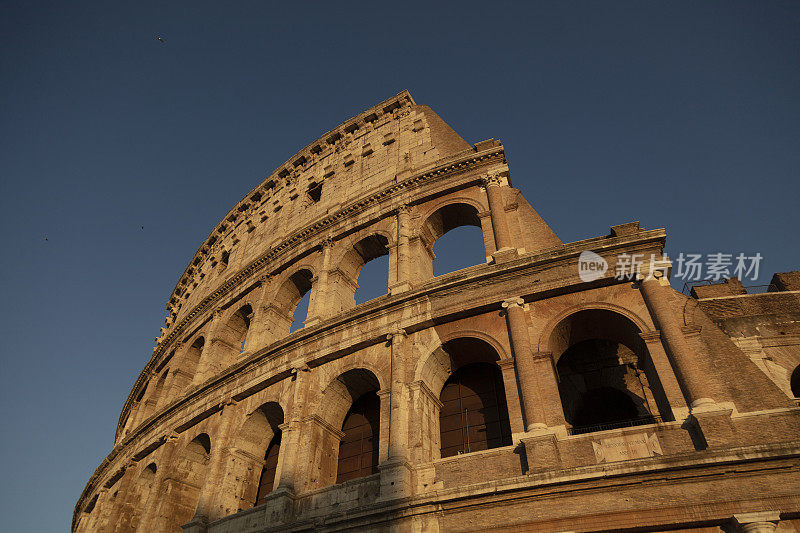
512 395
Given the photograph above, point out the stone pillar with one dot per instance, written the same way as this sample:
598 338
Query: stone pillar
494 191
123 507
288 468
258 334
211 362
544 370
384 396
666 376
90 523
655 291
150 513
398 412
533 411
320 299
403 250
761 522
238 487
396 472
515 418
211 498
102 521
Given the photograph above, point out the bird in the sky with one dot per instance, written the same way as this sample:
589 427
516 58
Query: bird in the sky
160 40
142 227
45 238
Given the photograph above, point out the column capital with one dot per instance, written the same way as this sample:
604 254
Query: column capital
515 301
492 178
650 337
536 356
397 332
326 242
760 522
403 209
298 369
506 363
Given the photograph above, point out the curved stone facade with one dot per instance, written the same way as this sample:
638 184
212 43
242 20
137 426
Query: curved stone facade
509 394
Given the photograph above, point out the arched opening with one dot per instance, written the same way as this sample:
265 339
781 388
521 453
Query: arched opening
260 436
228 342
238 326
191 361
266 481
358 450
300 312
154 398
289 307
184 485
474 410
349 402
474 413
160 393
794 382
452 238
362 274
460 248
606 377
142 495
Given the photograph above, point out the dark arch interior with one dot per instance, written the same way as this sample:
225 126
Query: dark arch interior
795 382
267 479
358 450
203 440
604 405
474 414
601 386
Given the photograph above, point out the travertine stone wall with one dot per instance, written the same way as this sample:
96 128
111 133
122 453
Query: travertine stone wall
713 446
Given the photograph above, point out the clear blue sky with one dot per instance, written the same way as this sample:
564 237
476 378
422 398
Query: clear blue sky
680 115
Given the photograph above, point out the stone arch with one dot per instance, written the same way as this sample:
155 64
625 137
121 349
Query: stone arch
228 340
335 408
546 337
160 392
188 369
257 436
440 364
436 222
137 501
155 396
447 373
184 482
289 291
343 279
342 391
606 377
87 518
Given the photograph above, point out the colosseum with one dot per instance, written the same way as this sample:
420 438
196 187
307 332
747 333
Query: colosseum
513 395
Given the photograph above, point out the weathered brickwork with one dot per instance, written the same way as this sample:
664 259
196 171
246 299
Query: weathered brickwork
508 396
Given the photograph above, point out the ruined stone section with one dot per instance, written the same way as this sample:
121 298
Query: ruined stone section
510 395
